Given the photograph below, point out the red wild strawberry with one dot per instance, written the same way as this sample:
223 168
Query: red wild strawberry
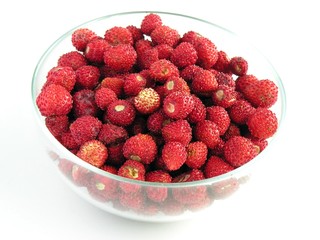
263 123
240 111
156 121
135 32
54 100
64 76
197 154
147 57
245 82
95 50
220 117
93 152
165 35
104 96
233 130
198 112
238 66
224 96
157 194
84 103
204 82
207 52
72 59
81 37
239 150
133 84
147 101
163 69
177 131
68 141
184 55
215 166
114 83
120 112
118 35
87 77
112 134
115 156
191 37
174 155
141 148
189 72
177 105
174 84
150 22
57 125
222 63
225 79
164 51
207 132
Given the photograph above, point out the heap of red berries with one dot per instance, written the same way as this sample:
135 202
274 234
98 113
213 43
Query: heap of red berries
152 104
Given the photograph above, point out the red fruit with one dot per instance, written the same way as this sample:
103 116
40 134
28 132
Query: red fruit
174 84
156 121
150 22
133 200
174 155
118 35
85 128
238 66
207 132
224 96
147 101
198 112
207 52
133 84
263 123
147 57
104 96
72 59
245 82
164 51
68 141
120 58
95 50
225 79
57 124
81 37
80 176
226 188
222 63
54 100
115 156
141 148
165 35
143 45
112 134
177 131
191 37
239 150
215 166
93 152
220 117
87 77
189 176
157 194
240 111
197 154
189 72
204 82
135 32
114 83
120 112
233 130
64 76
84 103
103 188
162 70
177 105
184 55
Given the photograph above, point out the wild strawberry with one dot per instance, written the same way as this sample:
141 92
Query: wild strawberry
245 82
220 117
139 125
147 57
147 101
204 82
197 154
218 149
240 111
72 59
57 124
87 77
135 32
95 50
224 189
150 22
233 130
225 79
156 121
191 37
189 176
120 112
207 132
184 55
173 155
118 35
177 105
140 147
264 93
133 84
114 83
85 128
120 58
165 35
80 38
222 63
84 103
177 131
263 123
259 143
207 52
215 166
189 72
224 96
239 150
93 152
163 69
175 84
68 141
115 156
104 96
64 76
238 66
54 100
157 194
164 51
80 176
112 134
198 112
143 45
132 200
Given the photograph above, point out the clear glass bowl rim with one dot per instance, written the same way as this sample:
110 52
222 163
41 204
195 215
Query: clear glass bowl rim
209 181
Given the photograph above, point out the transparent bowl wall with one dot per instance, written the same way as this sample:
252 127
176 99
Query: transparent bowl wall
106 194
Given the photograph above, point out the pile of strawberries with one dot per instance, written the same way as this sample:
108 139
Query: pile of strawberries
149 104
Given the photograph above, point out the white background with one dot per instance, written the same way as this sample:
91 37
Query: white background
282 200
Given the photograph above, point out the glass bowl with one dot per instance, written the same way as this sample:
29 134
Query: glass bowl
197 196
